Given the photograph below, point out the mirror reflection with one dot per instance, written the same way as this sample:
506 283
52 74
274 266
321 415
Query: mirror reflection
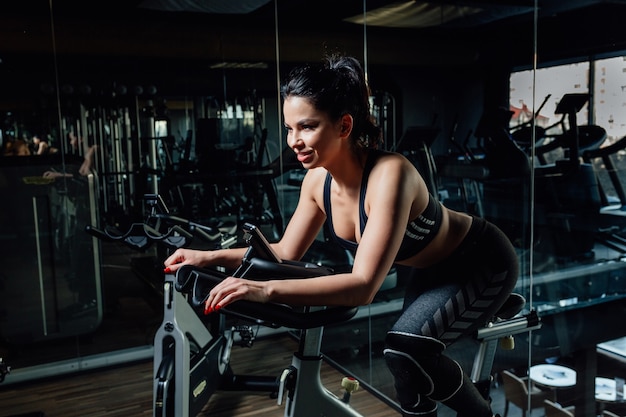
510 111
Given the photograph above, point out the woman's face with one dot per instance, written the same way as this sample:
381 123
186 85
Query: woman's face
313 136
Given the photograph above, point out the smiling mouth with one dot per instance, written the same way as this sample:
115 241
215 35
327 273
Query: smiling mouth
303 157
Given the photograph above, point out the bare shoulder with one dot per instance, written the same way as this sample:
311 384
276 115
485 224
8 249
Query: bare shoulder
395 180
313 184
394 165
314 177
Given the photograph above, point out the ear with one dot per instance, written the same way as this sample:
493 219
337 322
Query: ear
346 125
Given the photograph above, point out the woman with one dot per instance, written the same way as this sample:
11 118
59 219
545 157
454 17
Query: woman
377 204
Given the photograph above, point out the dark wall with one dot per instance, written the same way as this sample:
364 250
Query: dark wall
447 75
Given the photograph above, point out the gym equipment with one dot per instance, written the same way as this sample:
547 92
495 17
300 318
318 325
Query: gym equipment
192 351
191 359
297 383
303 398
522 134
612 194
573 140
179 232
500 332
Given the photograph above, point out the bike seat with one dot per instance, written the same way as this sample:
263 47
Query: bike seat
198 282
511 307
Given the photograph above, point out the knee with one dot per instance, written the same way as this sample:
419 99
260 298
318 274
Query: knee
411 359
418 361
414 344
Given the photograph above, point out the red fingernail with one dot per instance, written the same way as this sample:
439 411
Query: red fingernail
208 310
217 307
167 270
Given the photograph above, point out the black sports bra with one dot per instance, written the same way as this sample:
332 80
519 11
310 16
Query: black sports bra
419 232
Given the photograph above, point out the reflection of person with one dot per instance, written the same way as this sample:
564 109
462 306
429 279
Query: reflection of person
70 210
15 147
40 147
75 142
376 203
85 168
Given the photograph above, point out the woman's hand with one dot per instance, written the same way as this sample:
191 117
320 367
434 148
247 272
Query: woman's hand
55 174
184 257
233 289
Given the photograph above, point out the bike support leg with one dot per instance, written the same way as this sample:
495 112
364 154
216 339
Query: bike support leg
307 396
179 322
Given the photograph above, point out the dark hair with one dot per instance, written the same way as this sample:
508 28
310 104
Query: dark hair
337 86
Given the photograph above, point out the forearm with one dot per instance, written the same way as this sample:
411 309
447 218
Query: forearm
340 289
227 258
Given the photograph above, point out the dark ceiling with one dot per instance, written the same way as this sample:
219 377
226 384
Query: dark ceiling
169 36
439 18
303 13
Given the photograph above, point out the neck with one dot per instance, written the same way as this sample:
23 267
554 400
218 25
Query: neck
348 171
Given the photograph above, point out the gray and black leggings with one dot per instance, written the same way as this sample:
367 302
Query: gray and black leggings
442 303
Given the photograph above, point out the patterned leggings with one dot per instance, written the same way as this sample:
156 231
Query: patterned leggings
442 303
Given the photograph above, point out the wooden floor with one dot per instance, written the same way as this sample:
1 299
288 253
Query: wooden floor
127 390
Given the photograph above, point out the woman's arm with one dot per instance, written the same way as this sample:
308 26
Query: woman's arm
390 197
389 203
228 258
299 234
42 147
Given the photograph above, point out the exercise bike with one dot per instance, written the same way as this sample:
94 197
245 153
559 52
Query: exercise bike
298 385
192 351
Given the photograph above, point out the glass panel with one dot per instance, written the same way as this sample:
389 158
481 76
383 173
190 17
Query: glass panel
51 284
415 105
578 264
184 105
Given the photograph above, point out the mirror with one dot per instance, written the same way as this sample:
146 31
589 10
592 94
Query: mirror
182 100
51 286
505 107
